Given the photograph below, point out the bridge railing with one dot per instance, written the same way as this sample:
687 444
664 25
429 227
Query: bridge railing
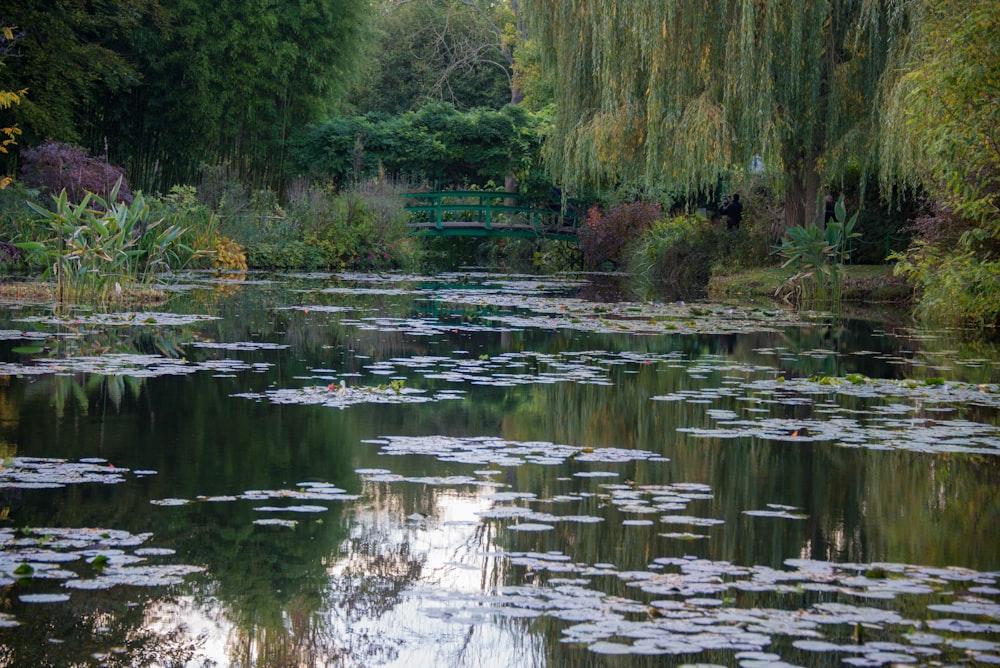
482 213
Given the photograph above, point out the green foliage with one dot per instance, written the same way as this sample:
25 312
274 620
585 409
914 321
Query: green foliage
206 245
453 51
8 98
672 95
942 126
166 85
363 228
954 287
69 58
942 133
606 238
15 215
817 255
435 143
98 248
678 254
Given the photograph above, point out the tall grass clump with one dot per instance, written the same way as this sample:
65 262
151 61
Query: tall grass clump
209 247
99 250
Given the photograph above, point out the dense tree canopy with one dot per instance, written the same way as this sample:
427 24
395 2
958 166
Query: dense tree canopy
8 98
941 129
454 51
68 55
671 94
168 84
437 144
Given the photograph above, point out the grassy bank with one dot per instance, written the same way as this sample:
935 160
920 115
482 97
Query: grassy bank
862 283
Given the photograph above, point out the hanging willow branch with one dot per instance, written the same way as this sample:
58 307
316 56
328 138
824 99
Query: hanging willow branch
674 93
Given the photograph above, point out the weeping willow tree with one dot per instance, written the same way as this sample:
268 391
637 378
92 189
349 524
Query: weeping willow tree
941 126
670 94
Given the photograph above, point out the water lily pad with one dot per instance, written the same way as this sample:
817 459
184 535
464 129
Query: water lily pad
41 473
136 576
43 598
276 522
240 345
292 509
129 318
530 527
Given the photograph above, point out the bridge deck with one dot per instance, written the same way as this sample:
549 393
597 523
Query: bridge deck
475 213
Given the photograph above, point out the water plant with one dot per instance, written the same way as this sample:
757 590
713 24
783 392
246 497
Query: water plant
100 248
818 255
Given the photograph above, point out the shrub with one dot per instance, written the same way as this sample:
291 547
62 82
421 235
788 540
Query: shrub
209 247
16 221
678 255
56 166
364 228
818 255
955 288
605 238
675 257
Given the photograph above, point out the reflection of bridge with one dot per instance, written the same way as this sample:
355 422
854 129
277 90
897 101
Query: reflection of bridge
489 214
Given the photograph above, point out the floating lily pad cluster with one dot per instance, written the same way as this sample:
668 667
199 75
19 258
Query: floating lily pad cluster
22 335
81 559
505 370
531 303
501 452
689 606
342 397
932 390
387 476
240 345
906 415
631 317
317 308
47 473
415 326
304 491
127 318
123 364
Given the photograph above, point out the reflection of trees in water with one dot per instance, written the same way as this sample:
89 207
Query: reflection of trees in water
123 625
863 504
262 314
334 619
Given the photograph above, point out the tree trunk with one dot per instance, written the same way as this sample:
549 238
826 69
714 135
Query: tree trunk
795 200
802 189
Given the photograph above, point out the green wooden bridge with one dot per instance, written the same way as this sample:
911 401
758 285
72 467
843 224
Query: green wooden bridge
490 214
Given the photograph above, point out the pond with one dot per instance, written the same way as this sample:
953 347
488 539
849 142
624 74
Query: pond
485 470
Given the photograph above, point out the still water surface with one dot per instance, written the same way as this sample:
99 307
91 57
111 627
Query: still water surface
477 470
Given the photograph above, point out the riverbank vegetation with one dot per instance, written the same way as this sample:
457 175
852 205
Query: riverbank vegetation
285 137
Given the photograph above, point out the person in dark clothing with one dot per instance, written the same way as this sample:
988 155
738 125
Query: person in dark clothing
732 212
831 210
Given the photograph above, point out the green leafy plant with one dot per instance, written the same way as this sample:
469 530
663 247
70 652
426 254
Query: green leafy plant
954 286
818 255
99 248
